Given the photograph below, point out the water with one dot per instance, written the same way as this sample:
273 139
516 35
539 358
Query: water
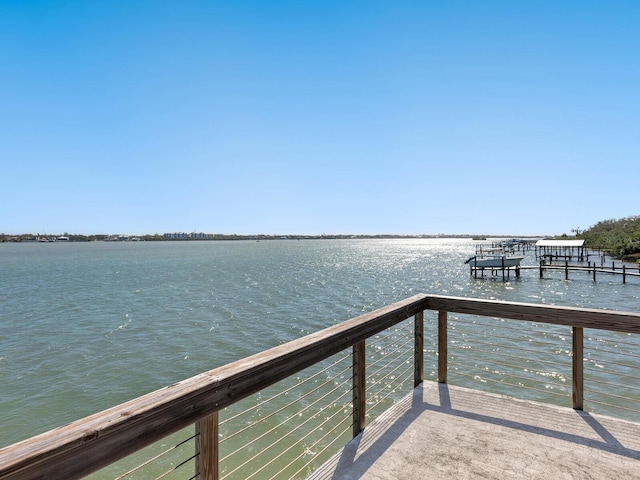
86 326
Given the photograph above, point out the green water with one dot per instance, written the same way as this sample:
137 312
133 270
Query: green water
86 326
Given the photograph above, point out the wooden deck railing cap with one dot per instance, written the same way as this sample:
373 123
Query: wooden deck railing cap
76 449
626 322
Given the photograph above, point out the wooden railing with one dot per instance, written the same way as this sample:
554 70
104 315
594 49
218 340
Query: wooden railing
89 444
577 318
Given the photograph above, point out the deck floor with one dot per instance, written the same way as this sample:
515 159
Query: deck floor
445 432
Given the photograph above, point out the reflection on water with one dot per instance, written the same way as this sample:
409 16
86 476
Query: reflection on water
87 326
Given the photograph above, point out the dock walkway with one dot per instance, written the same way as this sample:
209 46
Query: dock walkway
447 432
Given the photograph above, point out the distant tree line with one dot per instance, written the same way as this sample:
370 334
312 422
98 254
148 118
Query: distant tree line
620 238
30 237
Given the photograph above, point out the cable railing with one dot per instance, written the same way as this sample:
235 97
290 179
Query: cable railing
390 368
501 356
564 343
282 438
611 363
283 412
170 459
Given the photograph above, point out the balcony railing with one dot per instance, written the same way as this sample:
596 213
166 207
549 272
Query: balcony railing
337 363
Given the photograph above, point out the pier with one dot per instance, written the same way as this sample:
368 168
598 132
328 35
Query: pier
503 270
564 255
573 256
340 380
591 269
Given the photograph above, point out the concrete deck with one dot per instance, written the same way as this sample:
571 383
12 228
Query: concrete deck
446 432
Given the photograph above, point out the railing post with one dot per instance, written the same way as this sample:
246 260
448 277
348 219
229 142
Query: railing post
578 368
359 388
442 346
207 448
418 349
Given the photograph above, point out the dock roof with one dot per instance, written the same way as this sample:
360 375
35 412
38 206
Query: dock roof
560 243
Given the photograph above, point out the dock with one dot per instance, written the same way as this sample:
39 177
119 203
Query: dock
565 255
448 432
591 269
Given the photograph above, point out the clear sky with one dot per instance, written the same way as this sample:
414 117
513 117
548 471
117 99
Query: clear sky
312 117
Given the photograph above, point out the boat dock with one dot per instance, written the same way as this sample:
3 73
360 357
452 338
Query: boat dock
565 255
590 269
447 432
497 257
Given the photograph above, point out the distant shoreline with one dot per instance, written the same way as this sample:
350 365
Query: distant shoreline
29 238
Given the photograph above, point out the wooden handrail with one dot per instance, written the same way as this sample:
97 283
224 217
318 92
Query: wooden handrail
577 318
86 445
91 443
571 316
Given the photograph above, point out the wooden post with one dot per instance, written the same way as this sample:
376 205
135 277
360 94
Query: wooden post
359 388
578 368
541 262
594 271
207 448
418 349
442 346
624 273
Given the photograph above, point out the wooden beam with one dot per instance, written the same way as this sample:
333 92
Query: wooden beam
558 315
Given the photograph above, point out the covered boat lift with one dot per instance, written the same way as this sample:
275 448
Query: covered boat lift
561 249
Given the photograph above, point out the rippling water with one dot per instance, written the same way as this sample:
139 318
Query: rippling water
86 326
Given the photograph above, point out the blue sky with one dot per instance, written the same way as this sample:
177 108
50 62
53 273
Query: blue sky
283 117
